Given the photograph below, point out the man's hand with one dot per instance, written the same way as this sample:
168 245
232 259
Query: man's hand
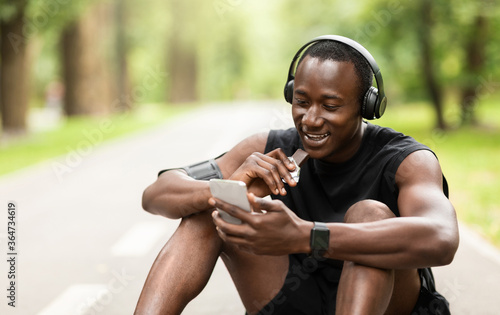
263 173
271 229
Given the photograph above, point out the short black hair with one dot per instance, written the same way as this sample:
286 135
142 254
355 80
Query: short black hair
338 51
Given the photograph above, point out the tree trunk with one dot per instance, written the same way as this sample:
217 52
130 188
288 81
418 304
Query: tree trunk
182 57
122 78
183 73
475 56
14 75
433 87
85 69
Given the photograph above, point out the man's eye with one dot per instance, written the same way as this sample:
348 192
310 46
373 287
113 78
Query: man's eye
300 102
330 107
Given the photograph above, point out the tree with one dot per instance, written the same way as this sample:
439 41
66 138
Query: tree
122 72
475 59
447 46
182 53
14 69
20 22
86 71
434 88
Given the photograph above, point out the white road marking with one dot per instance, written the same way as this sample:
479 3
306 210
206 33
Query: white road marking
76 299
140 239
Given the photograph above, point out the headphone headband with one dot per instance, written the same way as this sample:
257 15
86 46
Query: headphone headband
379 102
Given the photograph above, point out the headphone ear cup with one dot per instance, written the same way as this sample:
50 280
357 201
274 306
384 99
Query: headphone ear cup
382 104
368 108
289 91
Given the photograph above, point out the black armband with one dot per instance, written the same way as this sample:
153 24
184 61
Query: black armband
204 170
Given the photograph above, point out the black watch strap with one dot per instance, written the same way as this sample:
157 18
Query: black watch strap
320 239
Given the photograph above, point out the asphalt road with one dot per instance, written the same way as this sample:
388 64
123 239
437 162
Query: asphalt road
83 245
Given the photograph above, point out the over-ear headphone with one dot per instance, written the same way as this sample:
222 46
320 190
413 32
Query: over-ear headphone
374 102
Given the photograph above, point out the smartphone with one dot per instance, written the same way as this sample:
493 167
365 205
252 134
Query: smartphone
233 192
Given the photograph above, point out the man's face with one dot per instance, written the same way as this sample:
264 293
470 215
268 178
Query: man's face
326 110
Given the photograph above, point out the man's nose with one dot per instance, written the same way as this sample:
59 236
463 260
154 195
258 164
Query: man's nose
312 117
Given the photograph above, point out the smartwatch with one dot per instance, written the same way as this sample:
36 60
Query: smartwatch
320 239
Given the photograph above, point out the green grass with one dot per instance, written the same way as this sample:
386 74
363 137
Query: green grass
469 158
79 133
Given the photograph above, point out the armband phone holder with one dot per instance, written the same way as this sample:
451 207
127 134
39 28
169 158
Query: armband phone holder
205 170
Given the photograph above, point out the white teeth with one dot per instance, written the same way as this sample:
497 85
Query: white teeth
317 137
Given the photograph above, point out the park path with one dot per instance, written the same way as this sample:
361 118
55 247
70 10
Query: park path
84 246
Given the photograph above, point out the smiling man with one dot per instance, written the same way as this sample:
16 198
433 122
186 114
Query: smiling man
356 235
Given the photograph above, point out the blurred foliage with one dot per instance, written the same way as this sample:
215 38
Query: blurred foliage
243 48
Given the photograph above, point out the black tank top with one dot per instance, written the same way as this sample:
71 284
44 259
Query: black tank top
326 191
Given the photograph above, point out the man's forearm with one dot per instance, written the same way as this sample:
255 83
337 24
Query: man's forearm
398 243
175 195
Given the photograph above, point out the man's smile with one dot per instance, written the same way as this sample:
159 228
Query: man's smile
316 139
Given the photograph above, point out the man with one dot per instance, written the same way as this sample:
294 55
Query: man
355 235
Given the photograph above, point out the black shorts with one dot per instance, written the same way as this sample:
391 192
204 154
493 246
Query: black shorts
310 288
430 302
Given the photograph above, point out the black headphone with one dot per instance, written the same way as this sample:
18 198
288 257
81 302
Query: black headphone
374 102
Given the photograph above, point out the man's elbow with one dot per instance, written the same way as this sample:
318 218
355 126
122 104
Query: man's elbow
447 255
152 204
147 201
446 249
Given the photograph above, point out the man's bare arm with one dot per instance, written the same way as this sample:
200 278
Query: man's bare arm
425 235
175 195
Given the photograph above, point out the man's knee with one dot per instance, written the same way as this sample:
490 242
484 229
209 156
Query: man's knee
195 239
198 228
368 211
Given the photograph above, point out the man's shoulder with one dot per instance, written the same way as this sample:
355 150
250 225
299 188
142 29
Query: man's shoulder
391 147
390 138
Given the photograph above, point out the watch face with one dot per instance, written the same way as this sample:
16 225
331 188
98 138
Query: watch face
320 239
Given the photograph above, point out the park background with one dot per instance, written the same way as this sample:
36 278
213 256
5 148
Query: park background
123 66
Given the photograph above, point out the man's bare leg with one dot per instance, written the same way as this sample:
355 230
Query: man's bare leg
184 265
258 279
368 290
182 268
